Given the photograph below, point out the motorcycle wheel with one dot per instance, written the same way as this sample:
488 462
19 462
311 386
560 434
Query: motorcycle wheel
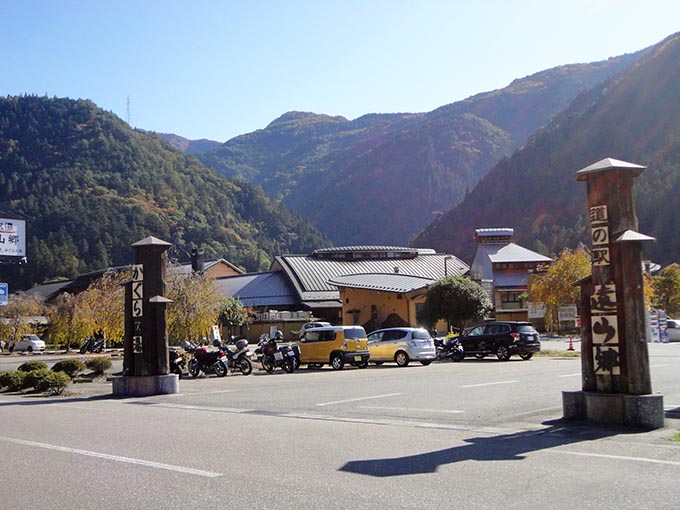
457 356
245 366
289 366
267 365
220 369
83 349
193 368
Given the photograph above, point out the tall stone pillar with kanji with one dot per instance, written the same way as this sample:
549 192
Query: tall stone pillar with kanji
616 381
145 365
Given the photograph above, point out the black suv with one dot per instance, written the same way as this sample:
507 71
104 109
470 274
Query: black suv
502 339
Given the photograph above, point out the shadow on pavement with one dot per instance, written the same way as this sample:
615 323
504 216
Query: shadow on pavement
503 447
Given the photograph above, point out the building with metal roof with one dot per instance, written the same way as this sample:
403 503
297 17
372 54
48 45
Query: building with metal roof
311 275
503 268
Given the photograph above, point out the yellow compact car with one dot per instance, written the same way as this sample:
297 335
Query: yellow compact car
337 345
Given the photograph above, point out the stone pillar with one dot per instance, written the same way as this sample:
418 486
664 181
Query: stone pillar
146 365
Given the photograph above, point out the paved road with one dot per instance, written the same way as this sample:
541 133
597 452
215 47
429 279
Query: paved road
476 434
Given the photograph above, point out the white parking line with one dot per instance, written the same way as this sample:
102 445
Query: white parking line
127 460
487 384
412 409
358 399
621 457
569 375
544 409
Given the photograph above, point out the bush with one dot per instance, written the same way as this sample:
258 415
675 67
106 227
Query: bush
98 365
70 367
35 377
5 378
15 380
29 366
54 383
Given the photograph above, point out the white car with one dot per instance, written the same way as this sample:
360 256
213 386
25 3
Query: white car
401 345
673 329
310 325
29 343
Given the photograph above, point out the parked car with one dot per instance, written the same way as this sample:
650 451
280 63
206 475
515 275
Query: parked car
401 345
310 325
673 329
337 345
502 339
29 343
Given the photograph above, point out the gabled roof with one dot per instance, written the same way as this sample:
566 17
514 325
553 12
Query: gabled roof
393 282
310 275
512 252
258 289
185 267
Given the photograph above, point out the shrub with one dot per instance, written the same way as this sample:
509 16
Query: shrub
5 378
29 366
98 365
70 366
54 383
16 380
33 378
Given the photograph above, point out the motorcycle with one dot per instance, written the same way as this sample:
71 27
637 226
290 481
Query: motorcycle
272 355
207 361
449 349
92 344
238 355
176 360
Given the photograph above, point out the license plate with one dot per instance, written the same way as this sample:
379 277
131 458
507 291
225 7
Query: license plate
357 358
278 356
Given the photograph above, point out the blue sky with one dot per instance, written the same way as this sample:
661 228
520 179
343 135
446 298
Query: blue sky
217 69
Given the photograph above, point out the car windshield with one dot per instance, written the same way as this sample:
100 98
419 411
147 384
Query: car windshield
355 333
529 330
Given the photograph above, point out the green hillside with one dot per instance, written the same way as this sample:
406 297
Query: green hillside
91 186
635 117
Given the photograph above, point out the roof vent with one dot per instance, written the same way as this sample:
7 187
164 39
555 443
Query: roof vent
396 269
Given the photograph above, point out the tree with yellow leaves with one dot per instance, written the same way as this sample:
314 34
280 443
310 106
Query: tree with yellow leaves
195 306
555 287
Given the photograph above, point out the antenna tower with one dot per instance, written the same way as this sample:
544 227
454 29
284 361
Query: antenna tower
127 112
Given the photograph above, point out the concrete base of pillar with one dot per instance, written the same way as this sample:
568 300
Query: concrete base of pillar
642 411
145 385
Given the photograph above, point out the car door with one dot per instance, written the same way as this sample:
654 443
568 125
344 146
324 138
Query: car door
375 345
315 344
393 340
472 338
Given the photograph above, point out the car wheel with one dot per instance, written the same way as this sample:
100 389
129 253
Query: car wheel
337 362
29 349
526 355
401 358
502 353
425 363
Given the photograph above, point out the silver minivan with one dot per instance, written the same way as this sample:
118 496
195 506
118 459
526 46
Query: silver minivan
401 346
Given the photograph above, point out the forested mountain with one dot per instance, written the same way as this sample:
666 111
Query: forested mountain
91 186
379 179
189 146
635 117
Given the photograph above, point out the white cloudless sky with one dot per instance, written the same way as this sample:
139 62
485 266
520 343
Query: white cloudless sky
218 68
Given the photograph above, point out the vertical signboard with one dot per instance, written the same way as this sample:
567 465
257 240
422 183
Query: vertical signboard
12 238
137 307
